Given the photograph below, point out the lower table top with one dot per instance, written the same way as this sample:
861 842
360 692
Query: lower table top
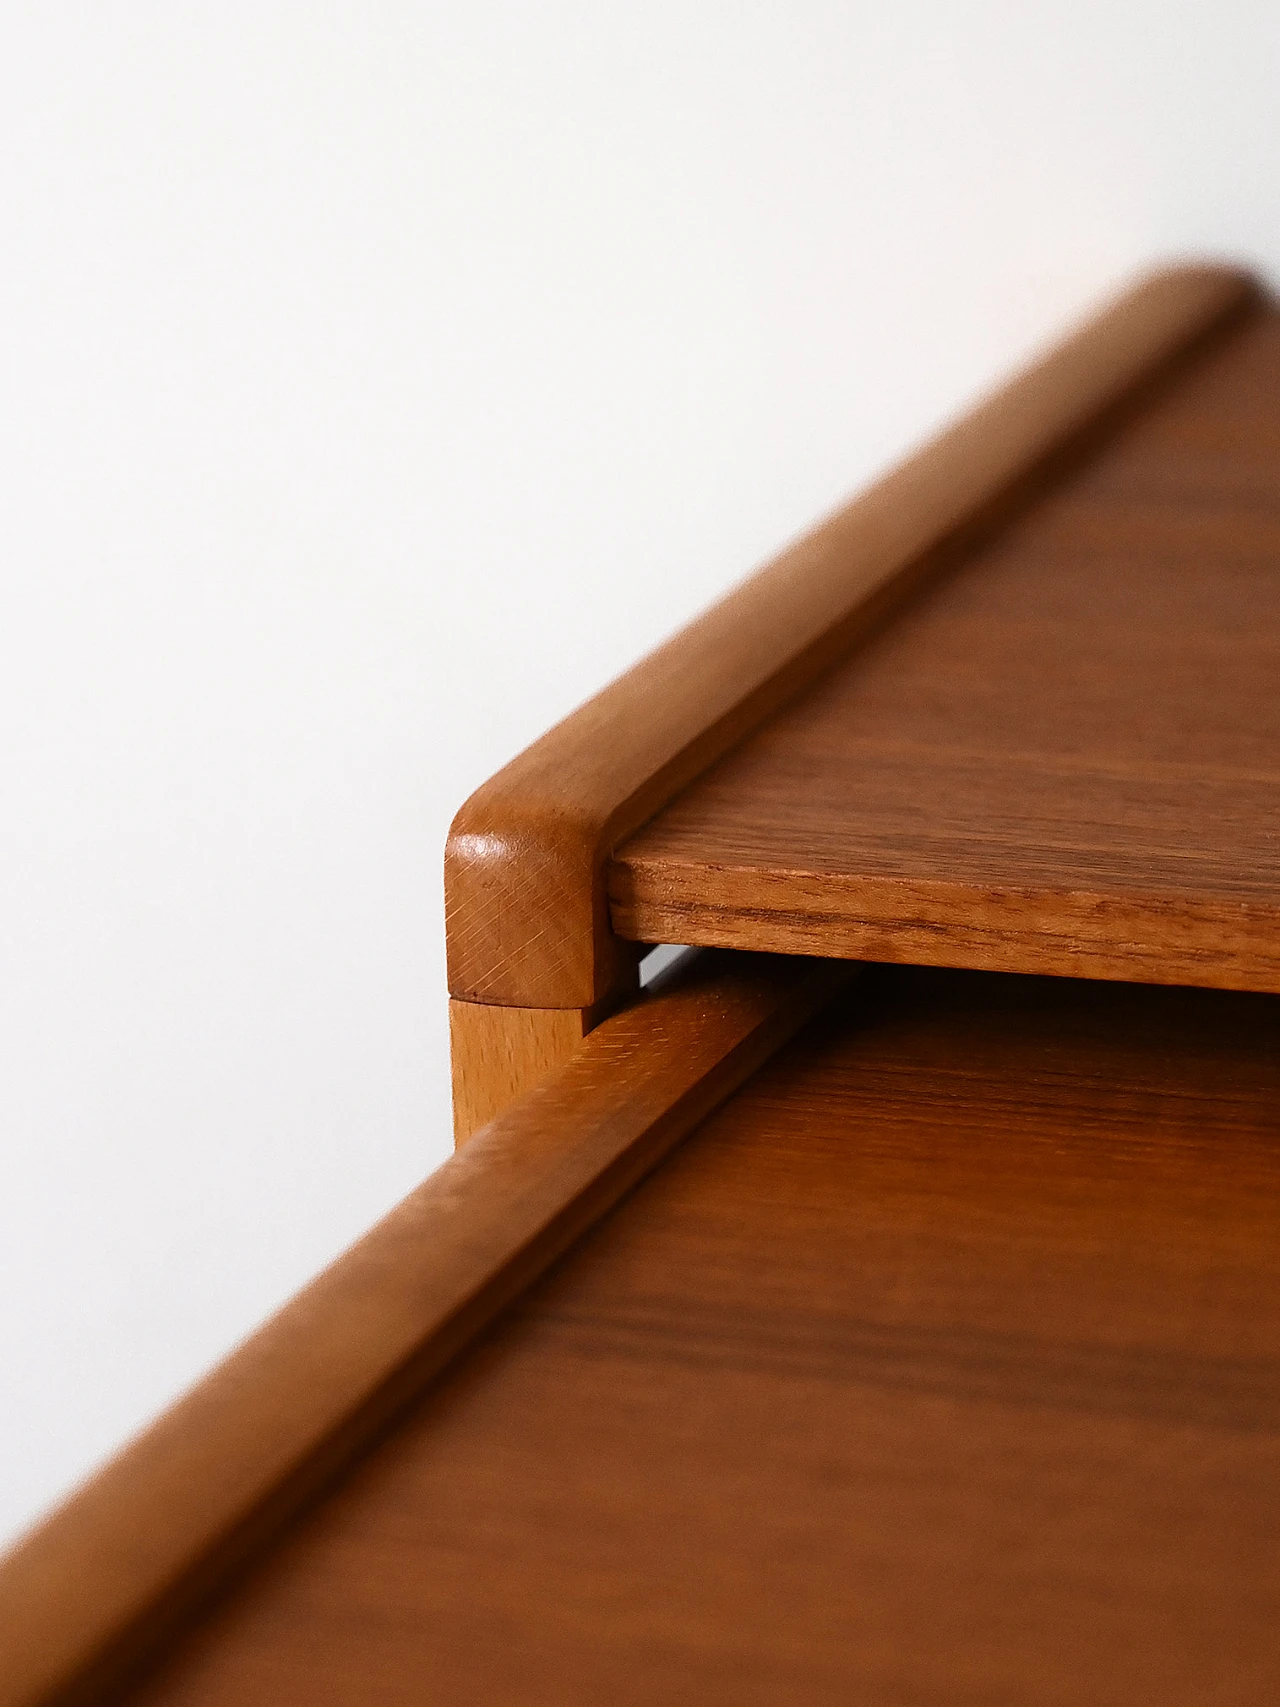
942 1364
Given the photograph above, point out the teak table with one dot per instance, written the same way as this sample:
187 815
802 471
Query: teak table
882 1306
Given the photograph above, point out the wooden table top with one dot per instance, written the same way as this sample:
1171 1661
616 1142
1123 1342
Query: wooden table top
941 1364
1064 758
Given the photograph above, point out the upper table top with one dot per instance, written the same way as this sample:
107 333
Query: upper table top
1063 758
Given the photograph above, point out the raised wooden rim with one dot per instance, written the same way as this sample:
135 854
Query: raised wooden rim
526 909
96 1591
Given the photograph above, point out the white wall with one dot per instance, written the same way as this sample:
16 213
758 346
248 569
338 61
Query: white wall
377 380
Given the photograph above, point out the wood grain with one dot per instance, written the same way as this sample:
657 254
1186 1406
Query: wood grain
941 1365
528 922
95 1590
496 1054
1065 758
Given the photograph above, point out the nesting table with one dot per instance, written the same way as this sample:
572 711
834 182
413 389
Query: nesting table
882 1304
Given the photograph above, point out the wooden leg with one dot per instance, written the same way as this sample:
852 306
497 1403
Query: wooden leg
500 1052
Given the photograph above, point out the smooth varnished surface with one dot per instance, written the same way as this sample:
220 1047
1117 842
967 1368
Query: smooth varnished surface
101 1586
526 912
942 1365
1065 758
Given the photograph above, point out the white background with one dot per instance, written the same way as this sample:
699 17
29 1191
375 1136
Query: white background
376 380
